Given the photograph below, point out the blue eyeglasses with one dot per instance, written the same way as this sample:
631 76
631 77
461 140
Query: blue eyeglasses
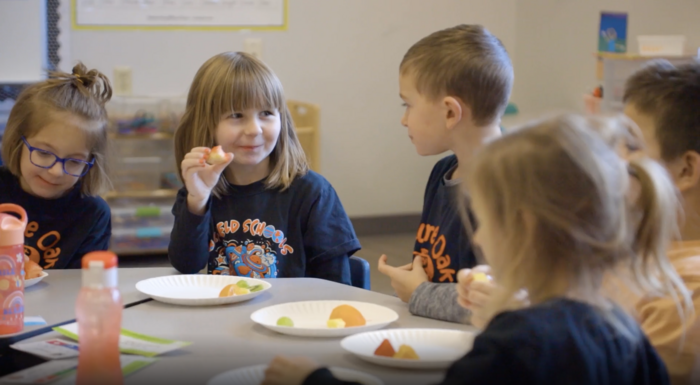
47 159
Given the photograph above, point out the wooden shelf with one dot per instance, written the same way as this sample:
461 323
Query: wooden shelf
634 56
163 193
305 130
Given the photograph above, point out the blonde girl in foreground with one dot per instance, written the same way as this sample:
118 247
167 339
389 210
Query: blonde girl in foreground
551 202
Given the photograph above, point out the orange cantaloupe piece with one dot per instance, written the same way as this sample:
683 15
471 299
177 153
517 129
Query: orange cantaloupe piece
31 269
349 314
385 349
228 291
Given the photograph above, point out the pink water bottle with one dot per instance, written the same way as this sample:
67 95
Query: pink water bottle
99 316
12 268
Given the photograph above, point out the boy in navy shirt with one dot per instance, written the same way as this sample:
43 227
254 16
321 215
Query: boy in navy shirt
455 84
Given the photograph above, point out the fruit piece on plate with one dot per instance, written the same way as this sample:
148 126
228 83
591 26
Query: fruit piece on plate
285 321
481 277
256 288
228 291
407 353
243 283
217 156
31 269
336 323
240 290
385 349
349 314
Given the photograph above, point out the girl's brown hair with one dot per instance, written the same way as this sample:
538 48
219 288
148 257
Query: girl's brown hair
82 93
568 177
235 81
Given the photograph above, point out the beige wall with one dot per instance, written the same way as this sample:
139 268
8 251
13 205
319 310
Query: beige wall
556 40
341 54
344 54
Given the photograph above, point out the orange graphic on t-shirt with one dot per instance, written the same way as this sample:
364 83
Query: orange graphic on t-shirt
433 258
45 244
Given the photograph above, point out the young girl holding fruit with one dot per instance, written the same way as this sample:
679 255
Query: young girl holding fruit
54 151
250 206
553 219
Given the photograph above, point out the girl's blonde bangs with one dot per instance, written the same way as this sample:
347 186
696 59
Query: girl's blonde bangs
248 87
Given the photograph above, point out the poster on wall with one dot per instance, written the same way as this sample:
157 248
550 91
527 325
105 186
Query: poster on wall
612 36
179 14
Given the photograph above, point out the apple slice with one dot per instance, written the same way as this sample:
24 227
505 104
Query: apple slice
217 156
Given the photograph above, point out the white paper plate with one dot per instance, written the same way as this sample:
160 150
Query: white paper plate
310 318
254 375
34 281
437 348
197 289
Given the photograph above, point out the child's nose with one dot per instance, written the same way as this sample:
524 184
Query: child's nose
56 170
254 127
404 120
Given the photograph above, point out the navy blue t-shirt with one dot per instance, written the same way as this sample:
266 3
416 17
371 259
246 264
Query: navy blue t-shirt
442 241
560 342
302 231
59 231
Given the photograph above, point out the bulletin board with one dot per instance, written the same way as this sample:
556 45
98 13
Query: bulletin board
180 14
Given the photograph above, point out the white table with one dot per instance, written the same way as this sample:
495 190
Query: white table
224 337
54 297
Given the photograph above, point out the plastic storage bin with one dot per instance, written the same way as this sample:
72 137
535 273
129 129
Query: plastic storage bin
144 115
160 146
670 45
141 225
137 174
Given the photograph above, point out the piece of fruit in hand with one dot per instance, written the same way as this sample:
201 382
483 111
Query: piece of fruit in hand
285 321
481 277
216 156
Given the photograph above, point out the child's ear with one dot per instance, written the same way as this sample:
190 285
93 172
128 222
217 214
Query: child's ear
687 171
454 112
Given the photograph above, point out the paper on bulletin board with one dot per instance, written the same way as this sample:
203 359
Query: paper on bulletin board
180 14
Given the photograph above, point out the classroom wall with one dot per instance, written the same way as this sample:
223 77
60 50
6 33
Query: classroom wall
556 40
344 56
23 39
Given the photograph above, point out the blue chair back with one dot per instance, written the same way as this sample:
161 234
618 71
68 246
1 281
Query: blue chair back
359 273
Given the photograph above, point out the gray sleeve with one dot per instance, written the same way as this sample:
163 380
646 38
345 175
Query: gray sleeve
438 301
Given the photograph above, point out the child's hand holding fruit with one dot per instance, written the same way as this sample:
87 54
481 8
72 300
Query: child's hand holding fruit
474 289
201 169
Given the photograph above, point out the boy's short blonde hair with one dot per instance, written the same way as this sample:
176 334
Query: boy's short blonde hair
82 93
236 81
466 62
670 96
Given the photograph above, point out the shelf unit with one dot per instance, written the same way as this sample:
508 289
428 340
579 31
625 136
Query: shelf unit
613 70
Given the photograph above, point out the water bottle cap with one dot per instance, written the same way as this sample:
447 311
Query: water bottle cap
11 227
104 259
